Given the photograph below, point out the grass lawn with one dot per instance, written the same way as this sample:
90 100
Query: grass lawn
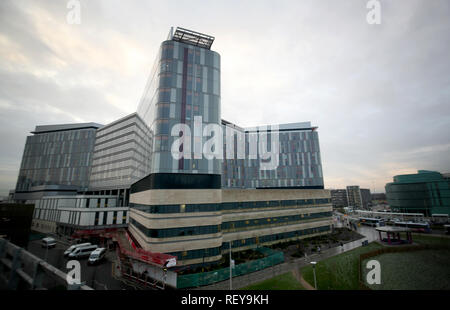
421 270
338 272
431 240
427 269
286 281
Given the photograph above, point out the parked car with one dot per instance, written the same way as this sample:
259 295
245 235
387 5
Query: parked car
97 256
83 251
48 242
73 247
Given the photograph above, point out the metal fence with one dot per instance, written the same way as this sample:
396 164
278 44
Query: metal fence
207 278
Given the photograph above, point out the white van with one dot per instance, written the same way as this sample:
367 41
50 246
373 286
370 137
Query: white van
73 247
48 242
83 251
97 256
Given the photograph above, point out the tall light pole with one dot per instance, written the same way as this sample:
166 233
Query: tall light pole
314 272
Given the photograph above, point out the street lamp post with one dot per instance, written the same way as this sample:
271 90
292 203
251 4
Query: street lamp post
314 272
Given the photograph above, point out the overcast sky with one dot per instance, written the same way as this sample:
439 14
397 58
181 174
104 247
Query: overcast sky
380 94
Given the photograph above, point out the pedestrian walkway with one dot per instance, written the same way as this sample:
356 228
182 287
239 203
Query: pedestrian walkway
369 234
298 276
268 273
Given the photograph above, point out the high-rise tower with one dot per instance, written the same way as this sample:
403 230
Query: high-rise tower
184 85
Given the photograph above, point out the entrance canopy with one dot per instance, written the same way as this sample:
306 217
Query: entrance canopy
393 234
393 229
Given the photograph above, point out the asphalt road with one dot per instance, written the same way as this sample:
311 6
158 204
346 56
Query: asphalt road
98 277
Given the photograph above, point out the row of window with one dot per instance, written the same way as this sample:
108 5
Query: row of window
176 232
212 229
226 206
105 216
273 220
56 161
274 237
58 148
201 253
64 176
66 135
54 215
173 50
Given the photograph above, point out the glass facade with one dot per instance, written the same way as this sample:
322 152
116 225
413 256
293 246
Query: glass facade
281 237
177 231
202 253
299 166
122 153
184 83
426 192
57 157
258 223
230 206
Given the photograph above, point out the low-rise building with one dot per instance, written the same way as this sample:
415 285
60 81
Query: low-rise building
65 214
198 225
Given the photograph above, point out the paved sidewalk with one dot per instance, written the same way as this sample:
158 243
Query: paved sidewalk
369 234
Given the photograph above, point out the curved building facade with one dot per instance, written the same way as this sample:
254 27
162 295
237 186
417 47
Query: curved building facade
426 192
184 85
